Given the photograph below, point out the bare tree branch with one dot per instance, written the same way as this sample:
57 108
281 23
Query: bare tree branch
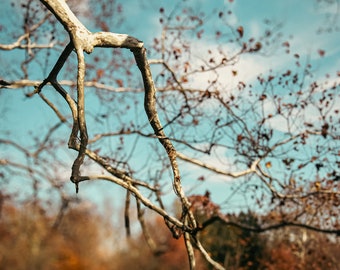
259 229
252 168
29 46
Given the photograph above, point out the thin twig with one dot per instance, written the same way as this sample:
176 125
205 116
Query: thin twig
126 214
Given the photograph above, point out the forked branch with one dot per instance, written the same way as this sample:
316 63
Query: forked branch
82 40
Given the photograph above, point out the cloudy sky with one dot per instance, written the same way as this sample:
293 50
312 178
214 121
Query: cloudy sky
309 26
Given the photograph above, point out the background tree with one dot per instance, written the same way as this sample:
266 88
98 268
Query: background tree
274 132
29 239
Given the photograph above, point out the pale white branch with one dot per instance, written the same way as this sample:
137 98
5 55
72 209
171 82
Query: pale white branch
18 43
252 168
207 256
128 186
34 83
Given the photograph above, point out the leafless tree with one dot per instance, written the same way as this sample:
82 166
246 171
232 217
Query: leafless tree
278 151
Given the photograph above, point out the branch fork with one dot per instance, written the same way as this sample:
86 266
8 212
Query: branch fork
82 40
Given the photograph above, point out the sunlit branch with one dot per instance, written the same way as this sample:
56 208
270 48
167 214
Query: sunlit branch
207 256
29 46
18 45
151 111
26 83
75 176
252 168
189 248
128 185
76 108
116 172
84 40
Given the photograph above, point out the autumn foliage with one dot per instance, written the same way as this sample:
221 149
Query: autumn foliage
85 239
29 239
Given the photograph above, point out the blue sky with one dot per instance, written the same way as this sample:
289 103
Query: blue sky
298 22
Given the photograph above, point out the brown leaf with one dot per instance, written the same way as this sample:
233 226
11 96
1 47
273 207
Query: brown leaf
195 122
288 72
268 164
201 178
199 33
321 53
286 44
258 46
119 82
240 31
324 130
184 79
104 26
100 73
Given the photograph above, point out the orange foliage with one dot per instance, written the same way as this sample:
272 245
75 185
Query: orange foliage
29 241
281 258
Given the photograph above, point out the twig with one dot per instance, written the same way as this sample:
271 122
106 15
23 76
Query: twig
207 256
140 215
252 168
85 41
127 185
126 214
